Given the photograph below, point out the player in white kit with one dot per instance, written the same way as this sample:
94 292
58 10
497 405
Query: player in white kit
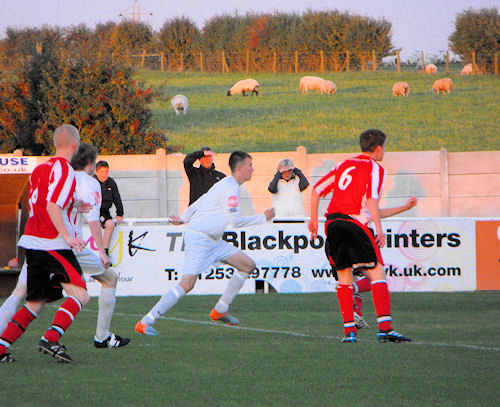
207 219
87 190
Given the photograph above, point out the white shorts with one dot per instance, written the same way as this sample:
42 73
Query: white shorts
90 262
201 252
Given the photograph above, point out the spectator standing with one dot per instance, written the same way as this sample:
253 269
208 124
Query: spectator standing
201 178
286 187
110 196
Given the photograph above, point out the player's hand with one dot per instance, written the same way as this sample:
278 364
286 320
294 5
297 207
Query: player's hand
105 260
76 244
83 207
175 220
270 213
412 202
119 219
380 239
313 228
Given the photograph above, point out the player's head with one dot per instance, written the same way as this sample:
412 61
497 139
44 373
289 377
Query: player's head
373 141
207 160
67 138
240 163
286 166
102 170
84 159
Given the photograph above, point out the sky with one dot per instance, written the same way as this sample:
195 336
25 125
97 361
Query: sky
417 25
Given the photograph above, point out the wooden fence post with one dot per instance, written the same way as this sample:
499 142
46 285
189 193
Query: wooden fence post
495 66
296 61
143 59
447 62
128 57
223 58
182 62
423 64
347 61
398 62
374 61
321 61
201 61
248 61
275 61
474 66
162 59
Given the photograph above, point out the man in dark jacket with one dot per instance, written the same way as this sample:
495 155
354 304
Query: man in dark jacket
201 178
110 196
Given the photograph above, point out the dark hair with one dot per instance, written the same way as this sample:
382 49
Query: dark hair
237 157
86 154
370 139
206 149
101 163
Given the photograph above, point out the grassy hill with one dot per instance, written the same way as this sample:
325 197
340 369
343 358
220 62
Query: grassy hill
281 118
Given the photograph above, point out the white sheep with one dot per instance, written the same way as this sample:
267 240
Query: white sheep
311 83
180 103
328 87
245 85
466 70
400 89
430 69
442 85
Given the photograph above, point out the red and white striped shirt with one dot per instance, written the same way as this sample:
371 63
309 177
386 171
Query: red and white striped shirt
352 182
52 181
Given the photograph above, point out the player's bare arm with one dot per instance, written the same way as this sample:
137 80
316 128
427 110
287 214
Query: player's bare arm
313 222
55 214
95 231
269 213
372 206
386 212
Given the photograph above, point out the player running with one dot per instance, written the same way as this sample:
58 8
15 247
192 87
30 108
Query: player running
356 185
207 219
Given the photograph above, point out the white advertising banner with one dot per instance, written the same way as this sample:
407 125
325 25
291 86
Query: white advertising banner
421 255
17 164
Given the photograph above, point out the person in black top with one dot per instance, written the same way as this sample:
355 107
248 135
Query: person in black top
110 196
201 178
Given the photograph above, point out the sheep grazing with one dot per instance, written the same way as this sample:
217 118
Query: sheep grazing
430 69
444 84
466 70
400 89
311 83
328 87
180 104
245 85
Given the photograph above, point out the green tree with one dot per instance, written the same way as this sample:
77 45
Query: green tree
478 31
132 36
179 35
73 86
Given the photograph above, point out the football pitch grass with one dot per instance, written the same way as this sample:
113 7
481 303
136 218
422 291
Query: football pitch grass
286 352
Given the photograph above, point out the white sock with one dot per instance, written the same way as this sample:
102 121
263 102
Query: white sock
232 289
107 300
7 310
166 302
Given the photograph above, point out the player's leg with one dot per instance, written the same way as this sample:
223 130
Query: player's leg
244 266
166 302
346 303
16 327
9 307
382 302
360 286
109 227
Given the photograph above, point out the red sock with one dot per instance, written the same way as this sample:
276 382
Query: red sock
63 319
358 304
344 294
363 284
382 303
16 327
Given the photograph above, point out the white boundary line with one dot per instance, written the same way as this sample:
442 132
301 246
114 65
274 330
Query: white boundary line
299 334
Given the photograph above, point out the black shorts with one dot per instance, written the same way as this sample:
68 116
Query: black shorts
104 217
48 269
350 244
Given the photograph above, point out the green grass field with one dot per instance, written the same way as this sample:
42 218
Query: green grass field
286 352
281 118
